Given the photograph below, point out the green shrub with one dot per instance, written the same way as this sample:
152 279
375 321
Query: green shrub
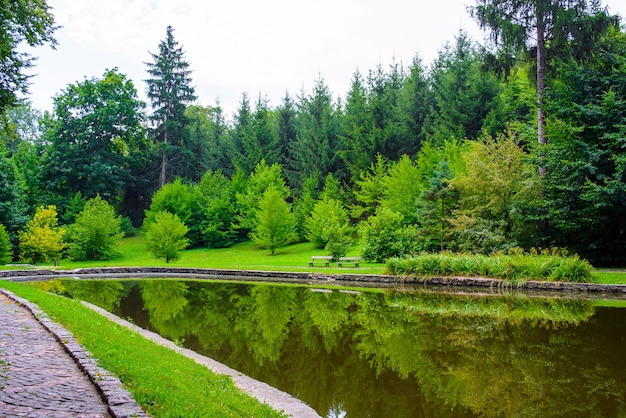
6 254
329 227
384 236
514 268
42 241
96 232
165 236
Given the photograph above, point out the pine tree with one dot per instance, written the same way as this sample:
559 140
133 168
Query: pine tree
169 91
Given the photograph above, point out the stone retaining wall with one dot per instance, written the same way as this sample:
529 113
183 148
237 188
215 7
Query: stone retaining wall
251 275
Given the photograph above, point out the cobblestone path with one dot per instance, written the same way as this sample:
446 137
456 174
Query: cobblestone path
37 377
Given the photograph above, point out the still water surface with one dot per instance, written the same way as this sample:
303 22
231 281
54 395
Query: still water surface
393 353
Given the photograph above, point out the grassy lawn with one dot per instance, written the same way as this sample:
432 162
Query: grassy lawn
164 383
248 256
243 256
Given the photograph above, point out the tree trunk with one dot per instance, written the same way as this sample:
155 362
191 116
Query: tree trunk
164 157
541 84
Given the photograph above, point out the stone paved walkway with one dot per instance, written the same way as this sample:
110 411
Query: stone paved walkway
39 378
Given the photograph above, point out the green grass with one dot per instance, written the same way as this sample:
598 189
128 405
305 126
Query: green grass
243 256
512 268
609 276
165 384
248 256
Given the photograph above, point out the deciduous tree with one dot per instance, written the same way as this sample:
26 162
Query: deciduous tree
42 241
97 142
27 22
275 225
165 236
6 252
96 231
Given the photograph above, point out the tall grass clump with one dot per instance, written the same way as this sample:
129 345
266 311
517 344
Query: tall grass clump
514 266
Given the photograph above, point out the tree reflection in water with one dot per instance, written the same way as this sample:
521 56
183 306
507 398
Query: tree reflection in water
393 353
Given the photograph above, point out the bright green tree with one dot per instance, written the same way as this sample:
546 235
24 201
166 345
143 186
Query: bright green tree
329 227
96 231
402 189
180 199
275 224
6 253
262 178
169 91
219 210
42 241
385 235
165 236
499 180
369 188
24 22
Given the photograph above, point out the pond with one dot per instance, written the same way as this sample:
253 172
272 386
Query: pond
395 352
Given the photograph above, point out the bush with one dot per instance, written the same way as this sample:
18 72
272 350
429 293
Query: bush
6 254
275 224
42 241
179 199
96 232
329 227
165 236
513 268
384 237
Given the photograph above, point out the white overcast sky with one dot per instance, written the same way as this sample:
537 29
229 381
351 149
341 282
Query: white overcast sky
258 47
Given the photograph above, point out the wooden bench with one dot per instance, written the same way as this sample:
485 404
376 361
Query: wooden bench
349 260
320 258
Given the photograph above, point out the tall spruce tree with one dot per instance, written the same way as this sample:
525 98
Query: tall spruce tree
546 28
169 91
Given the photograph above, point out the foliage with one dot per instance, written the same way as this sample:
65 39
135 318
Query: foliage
205 132
96 141
303 205
218 206
262 178
165 236
169 91
497 181
182 200
96 231
585 188
12 204
385 235
275 223
329 227
514 267
462 92
24 22
42 241
314 151
254 137
369 188
402 189
6 251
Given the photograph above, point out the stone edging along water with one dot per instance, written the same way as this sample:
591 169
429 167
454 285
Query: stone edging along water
119 401
301 277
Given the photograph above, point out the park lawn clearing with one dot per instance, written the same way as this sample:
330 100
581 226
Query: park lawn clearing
164 383
242 256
